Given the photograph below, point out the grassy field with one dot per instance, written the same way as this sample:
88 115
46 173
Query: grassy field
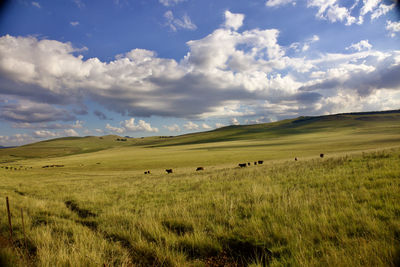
100 209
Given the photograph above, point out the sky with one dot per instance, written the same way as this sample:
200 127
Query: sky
169 67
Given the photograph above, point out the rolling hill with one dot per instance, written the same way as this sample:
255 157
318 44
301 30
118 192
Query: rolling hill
358 128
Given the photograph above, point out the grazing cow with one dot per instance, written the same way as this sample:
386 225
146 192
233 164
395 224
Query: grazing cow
145 172
168 170
255 162
200 169
260 162
295 159
248 163
321 155
242 165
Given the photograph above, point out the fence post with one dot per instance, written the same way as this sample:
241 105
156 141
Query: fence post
9 219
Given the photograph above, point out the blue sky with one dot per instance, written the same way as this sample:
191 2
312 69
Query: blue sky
169 67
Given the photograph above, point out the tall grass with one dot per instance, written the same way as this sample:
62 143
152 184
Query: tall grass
339 211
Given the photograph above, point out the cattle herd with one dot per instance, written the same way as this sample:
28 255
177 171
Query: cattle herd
241 165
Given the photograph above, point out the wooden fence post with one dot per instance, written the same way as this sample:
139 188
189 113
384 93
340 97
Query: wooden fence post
9 219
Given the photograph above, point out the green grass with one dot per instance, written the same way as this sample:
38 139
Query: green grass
341 210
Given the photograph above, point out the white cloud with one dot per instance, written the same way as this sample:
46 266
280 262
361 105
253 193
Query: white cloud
191 126
392 27
330 10
70 132
382 10
235 121
206 126
175 23
274 3
170 2
44 134
369 6
36 4
219 125
141 126
131 126
118 130
16 140
311 40
173 128
225 74
232 20
362 45
74 23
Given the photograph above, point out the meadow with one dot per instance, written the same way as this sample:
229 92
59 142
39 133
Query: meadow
100 209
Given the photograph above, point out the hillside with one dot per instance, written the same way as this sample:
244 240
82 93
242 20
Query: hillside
378 126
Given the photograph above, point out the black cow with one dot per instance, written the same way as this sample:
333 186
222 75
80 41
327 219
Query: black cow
260 162
168 170
321 155
255 162
295 159
248 163
242 165
200 169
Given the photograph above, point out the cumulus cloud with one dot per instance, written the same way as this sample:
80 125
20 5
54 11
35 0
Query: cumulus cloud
173 128
233 21
70 132
74 23
45 134
131 126
393 27
191 126
225 74
274 3
235 121
119 130
206 126
141 126
219 125
362 45
382 10
16 139
175 24
170 2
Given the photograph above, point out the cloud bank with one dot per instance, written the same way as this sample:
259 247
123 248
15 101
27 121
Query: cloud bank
228 73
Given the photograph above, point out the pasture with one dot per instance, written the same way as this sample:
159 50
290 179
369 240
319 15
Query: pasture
99 208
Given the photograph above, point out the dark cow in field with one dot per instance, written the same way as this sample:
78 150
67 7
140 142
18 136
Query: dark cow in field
260 162
255 162
242 165
200 169
147 172
321 155
168 170
248 163
295 159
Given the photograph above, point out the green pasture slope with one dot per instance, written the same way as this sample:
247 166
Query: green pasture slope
99 209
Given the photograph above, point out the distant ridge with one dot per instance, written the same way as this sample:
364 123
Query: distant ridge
342 123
